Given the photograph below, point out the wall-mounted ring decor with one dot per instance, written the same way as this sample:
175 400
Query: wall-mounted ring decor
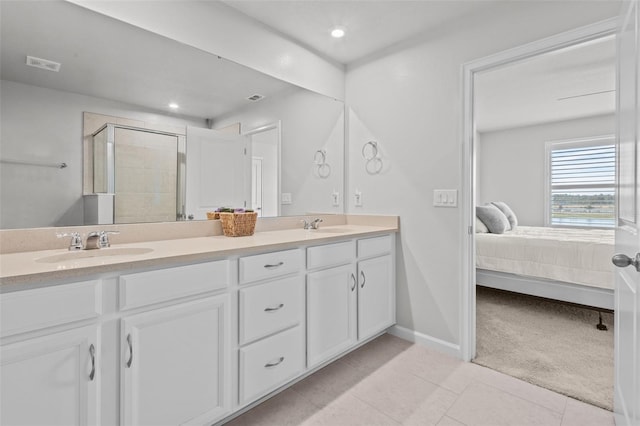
373 162
320 160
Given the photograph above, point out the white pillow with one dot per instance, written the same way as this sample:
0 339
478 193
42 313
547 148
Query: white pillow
511 216
493 217
481 228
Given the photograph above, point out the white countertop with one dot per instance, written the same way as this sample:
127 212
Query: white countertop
39 266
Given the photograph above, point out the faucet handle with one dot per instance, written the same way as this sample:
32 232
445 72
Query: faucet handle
315 224
305 224
104 238
76 240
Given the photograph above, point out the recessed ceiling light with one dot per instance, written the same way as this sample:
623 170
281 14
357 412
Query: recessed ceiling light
174 105
337 32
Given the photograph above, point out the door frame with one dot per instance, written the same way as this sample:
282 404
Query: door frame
468 291
277 125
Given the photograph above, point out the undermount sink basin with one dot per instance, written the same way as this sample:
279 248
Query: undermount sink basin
332 230
90 254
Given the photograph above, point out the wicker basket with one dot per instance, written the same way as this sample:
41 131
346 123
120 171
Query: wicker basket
238 224
213 215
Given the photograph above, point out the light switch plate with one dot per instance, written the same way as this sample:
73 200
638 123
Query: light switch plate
335 198
285 198
445 197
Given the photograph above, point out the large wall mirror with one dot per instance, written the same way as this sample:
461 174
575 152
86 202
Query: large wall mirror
72 78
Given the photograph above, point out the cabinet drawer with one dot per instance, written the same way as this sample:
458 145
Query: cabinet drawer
266 364
29 310
269 265
145 288
374 246
267 308
330 255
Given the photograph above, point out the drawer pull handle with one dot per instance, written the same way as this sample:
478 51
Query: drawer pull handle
364 279
280 306
353 277
130 350
92 352
274 265
275 363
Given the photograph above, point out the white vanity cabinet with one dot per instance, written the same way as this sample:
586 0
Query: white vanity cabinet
175 364
376 286
51 380
190 344
271 316
350 302
331 313
331 301
175 360
50 356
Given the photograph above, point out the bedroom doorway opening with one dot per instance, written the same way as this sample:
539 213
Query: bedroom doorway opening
540 151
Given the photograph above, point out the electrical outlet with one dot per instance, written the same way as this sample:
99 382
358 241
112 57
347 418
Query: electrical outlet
335 198
285 198
357 198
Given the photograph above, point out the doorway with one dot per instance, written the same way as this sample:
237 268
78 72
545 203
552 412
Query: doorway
475 123
265 169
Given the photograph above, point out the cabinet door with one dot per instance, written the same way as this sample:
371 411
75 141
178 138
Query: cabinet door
376 296
175 364
331 313
51 380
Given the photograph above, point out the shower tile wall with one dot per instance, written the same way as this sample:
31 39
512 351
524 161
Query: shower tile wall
146 176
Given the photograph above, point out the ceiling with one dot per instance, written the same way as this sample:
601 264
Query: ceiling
525 93
211 86
370 26
578 81
109 59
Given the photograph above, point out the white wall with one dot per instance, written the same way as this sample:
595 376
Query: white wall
219 29
511 163
309 122
39 124
409 99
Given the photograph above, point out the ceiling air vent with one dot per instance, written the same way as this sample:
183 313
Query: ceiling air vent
255 97
44 64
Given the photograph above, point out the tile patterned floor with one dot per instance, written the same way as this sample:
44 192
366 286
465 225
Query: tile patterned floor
393 382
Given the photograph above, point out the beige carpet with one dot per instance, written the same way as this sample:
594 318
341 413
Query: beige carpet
550 344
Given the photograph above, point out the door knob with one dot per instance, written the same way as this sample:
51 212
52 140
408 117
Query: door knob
622 260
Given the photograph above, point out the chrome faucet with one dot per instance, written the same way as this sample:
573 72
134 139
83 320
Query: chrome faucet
313 224
76 240
98 240
104 238
95 240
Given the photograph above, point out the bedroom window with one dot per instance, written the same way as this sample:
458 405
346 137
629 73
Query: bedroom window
582 177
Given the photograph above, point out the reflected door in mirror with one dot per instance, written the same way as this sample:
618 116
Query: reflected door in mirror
219 167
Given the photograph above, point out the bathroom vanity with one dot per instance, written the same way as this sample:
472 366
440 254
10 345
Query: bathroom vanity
186 331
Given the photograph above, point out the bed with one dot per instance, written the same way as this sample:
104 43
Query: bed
572 265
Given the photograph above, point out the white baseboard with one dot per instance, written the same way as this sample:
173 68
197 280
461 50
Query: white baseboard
424 340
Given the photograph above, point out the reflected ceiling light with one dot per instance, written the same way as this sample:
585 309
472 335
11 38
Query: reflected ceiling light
337 32
174 105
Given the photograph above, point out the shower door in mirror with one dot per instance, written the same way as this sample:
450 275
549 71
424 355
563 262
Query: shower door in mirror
138 168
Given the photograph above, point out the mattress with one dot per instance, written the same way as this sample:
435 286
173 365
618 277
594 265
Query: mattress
580 256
